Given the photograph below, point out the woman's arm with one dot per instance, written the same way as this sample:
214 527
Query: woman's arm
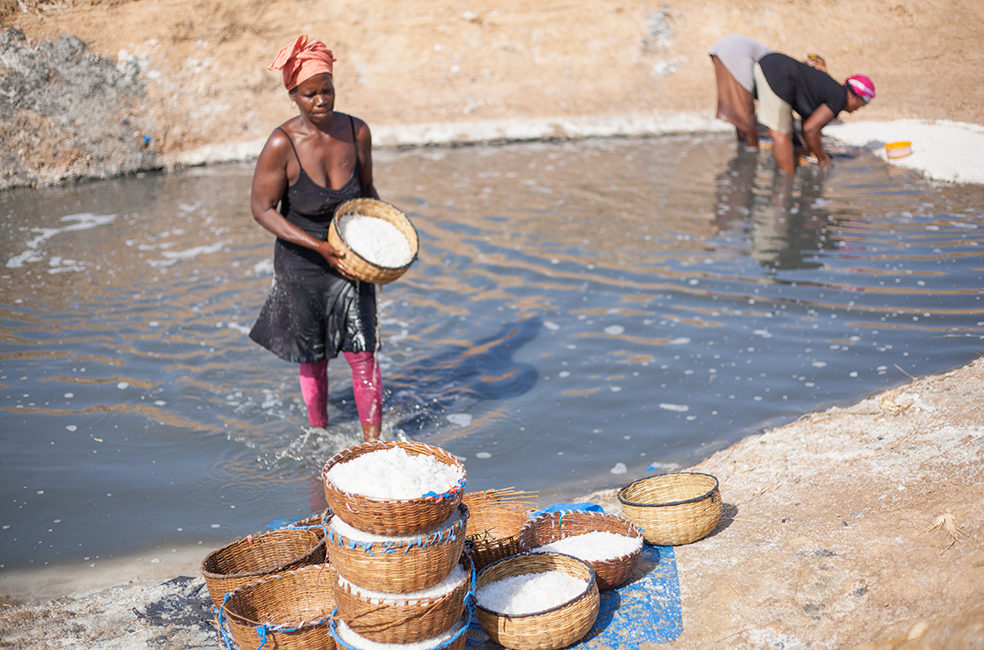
269 185
363 141
811 133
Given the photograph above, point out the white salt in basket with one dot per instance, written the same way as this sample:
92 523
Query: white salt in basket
619 536
555 627
365 259
394 516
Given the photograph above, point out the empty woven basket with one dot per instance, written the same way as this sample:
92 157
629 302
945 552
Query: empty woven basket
673 509
256 556
495 519
284 610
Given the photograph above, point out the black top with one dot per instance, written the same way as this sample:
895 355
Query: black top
803 87
310 207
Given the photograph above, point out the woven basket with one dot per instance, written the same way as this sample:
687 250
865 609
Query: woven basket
455 642
673 509
291 609
398 567
558 627
396 618
395 517
493 533
555 526
256 556
357 265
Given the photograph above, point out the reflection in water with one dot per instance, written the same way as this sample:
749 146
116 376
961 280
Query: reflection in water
787 221
577 308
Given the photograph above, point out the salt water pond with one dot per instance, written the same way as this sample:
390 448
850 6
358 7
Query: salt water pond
581 314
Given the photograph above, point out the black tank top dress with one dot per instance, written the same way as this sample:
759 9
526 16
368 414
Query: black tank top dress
312 313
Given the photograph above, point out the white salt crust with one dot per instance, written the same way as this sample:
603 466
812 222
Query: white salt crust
530 593
375 240
394 474
337 526
359 642
458 575
596 546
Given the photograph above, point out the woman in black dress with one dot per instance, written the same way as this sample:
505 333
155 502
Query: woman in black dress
309 165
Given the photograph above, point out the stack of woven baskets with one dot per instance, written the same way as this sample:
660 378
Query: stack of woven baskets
274 588
401 575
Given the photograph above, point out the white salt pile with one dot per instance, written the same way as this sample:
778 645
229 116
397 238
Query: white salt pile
376 240
530 592
596 546
458 576
337 526
360 642
394 474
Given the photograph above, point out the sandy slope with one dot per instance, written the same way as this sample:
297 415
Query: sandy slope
204 87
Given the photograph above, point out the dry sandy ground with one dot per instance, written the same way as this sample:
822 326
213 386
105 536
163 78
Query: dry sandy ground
857 525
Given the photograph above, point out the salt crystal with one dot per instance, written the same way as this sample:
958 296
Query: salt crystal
394 474
457 576
376 240
530 592
596 546
337 526
359 642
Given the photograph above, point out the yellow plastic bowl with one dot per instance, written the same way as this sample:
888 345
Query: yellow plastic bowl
898 149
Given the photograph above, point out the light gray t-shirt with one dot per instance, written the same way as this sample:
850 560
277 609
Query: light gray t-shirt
739 54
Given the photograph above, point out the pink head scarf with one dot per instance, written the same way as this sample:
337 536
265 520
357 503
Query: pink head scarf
301 60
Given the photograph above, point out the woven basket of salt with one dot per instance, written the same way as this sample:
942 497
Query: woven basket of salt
610 544
550 628
283 610
409 617
673 509
391 516
451 639
379 241
397 564
256 556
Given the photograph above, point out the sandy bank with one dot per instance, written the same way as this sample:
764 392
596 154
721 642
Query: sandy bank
854 525
93 89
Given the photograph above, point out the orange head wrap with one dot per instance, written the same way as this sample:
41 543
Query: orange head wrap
301 60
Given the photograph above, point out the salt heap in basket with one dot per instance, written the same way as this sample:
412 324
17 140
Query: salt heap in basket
379 240
376 240
396 541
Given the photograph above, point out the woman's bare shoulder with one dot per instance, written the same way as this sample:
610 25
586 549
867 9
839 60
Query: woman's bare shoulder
357 122
279 141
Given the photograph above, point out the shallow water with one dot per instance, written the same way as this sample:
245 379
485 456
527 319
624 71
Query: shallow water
580 313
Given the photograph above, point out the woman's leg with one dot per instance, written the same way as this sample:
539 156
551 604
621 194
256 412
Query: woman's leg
368 391
782 150
314 388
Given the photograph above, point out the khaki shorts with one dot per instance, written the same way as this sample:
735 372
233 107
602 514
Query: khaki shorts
773 111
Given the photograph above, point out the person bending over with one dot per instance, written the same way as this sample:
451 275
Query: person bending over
785 85
734 58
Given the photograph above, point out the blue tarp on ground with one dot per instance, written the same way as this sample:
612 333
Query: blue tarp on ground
645 610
